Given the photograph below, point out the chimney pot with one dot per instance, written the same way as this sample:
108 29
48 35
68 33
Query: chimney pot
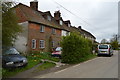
79 27
57 14
34 5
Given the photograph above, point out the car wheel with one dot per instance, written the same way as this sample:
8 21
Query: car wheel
98 55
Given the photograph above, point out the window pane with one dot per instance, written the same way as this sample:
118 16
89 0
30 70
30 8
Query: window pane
53 43
42 44
103 47
53 31
49 18
61 22
41 28
33 43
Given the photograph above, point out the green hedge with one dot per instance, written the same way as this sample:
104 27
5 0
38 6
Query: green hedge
74 48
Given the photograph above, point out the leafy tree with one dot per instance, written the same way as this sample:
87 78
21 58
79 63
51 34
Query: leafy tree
10 27
104 41
114 41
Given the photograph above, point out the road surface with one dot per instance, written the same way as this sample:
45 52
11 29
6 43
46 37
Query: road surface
100 67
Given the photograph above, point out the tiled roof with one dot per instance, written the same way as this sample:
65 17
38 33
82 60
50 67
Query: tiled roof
87 33
36 16
64 26
74 29
53 21
81 31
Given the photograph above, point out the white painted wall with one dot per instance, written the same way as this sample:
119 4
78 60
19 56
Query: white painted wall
21 44
21 41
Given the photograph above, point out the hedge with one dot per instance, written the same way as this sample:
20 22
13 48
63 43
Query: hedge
74 48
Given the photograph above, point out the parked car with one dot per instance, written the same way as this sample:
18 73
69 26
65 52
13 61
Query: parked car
105 49
12 58
57 52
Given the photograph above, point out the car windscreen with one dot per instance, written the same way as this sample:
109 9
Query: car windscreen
103 47
58 49
11 51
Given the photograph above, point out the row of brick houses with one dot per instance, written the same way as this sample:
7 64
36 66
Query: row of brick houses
42 31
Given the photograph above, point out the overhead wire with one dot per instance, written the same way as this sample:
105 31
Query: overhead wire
73 14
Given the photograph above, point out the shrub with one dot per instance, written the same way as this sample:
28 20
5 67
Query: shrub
74 48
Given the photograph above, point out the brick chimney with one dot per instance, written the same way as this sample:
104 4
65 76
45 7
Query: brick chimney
57 15
34 5
79 27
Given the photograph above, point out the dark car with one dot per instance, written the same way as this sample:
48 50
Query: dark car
12 58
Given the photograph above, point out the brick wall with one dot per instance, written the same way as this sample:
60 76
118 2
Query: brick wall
47 36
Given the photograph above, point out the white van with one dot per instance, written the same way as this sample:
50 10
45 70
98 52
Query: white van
105 49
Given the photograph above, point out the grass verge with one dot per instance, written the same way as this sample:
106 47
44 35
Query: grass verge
44 66
88 57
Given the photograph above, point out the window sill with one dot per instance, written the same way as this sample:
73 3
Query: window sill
41 32
42 47
53 33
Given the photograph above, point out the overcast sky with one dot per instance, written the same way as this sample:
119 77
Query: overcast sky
99 17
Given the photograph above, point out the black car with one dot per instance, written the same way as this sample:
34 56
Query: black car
12 58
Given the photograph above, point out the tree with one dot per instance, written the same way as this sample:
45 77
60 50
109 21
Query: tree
104 41
10 27
114 38
114 41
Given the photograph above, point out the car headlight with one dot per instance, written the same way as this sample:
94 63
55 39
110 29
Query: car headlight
9 63
25 60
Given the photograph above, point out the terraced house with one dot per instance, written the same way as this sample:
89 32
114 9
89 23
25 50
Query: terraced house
41 30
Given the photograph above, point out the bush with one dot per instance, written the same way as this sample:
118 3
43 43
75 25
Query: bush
75 48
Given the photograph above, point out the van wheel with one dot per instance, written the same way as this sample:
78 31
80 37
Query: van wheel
109 55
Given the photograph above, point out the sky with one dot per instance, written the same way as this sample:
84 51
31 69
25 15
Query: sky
99 17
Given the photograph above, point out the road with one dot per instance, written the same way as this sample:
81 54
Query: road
100 67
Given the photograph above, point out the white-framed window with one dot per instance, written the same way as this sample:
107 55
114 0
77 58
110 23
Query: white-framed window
42 44
53 43
53 31
33 43
69 25
42 28
67 33
49 18
61 23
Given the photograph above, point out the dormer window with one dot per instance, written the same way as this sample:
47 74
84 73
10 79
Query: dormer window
61 23
42 28
69 25
49 18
